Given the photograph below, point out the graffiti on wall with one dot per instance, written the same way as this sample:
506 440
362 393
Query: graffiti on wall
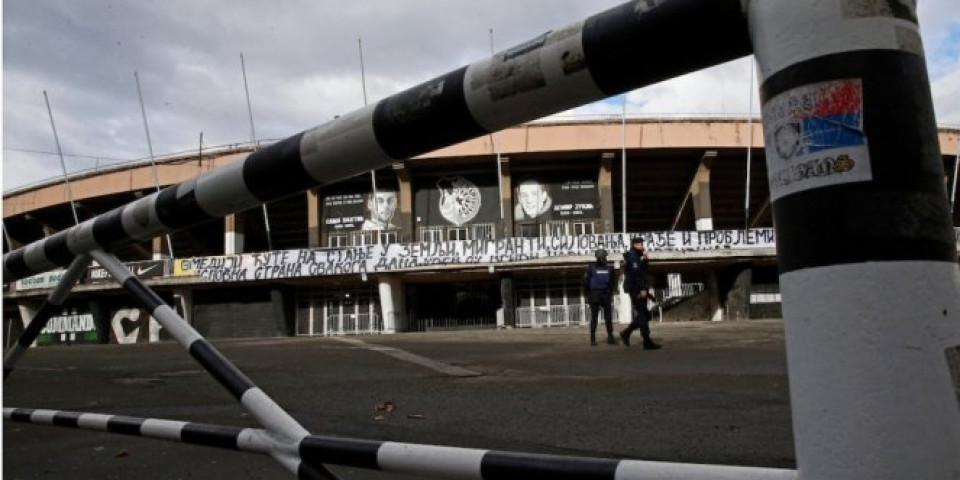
399 257
133 325
71 326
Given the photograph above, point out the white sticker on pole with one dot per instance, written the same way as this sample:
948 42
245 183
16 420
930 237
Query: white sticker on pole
814 137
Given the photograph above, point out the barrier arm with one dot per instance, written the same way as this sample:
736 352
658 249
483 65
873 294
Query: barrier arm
626 47
50 305
867 254
281 429
422 460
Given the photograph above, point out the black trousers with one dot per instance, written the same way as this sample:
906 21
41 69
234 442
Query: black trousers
641 317
601 300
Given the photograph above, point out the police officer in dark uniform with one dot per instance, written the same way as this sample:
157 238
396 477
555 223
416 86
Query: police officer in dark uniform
598 281
637 286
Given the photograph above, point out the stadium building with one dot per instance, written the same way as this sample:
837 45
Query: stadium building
493 232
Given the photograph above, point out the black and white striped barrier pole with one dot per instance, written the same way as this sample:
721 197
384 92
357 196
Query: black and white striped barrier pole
280 425
406 458
50 305
868 259
635 44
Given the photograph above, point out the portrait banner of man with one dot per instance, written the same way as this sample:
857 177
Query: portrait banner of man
533 200
556 197
381 210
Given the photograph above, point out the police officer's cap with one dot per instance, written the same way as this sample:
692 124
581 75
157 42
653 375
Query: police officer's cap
636 240
600 253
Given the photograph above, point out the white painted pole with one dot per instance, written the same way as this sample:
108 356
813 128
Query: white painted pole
871 287
63 166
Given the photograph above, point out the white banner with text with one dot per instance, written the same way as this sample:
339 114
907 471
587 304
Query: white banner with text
396 257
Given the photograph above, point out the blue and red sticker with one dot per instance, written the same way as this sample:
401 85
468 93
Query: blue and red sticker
814 137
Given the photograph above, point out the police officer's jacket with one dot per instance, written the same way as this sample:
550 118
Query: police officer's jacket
634 271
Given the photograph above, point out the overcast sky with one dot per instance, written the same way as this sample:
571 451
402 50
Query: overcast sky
302 67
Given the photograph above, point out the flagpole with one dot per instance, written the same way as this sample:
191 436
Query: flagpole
953 193
746 201
153 163
496 150
253 143
623 165
63 166
363 84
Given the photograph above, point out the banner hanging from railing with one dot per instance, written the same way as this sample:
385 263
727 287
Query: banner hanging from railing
406 256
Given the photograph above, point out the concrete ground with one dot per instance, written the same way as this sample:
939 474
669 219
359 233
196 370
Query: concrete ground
717 393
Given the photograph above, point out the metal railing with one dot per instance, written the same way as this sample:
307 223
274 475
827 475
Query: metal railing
352 324
553 316
560 315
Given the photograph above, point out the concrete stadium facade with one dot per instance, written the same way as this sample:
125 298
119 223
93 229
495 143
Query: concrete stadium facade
492 232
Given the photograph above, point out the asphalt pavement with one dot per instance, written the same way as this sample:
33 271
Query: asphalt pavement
716 393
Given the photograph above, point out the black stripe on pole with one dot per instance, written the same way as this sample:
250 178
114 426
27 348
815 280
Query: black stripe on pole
635 45
211 435
356 453
179 210
56 250
15 263
21 415
277 171
903 212
108 229
37 323
424 118
312 472
124 425
225 372
507 465
136 288
67 419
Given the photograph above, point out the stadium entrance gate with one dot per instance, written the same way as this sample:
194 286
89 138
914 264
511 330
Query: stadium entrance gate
450 306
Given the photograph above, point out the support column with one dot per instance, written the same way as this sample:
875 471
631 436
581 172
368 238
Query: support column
391 303
506 197
624 307
281 299
507 316
866 248
736 283
313 218
183 304
233 226
405 194
605 185
27 310
156 248
700 193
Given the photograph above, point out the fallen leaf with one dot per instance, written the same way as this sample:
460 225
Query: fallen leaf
386 406
416 416
379 418
121 453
